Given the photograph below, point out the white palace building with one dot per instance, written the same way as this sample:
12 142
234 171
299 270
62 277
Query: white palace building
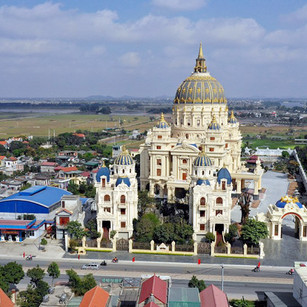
195 160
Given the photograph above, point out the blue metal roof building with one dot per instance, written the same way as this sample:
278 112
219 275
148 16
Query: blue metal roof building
35 200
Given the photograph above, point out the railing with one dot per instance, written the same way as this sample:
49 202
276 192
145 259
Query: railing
141 245
252 250
106 244
220 249
91 243
184 248
237 250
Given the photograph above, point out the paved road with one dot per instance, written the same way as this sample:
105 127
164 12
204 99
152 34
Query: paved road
239 280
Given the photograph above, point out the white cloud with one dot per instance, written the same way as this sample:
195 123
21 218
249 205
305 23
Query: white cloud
130 59
180 5
54 42
299 15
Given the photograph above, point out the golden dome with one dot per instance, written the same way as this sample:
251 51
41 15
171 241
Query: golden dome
200 87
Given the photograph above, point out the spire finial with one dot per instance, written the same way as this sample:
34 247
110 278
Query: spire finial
124 149
162 117
103 163
200 53
200 65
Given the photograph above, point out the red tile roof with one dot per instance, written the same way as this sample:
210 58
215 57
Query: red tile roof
151 304
3 142
213 297
2 157
155 286
5 300
80 135
69 169
49 164
96 297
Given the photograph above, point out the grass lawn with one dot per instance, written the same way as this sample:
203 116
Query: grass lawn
60 123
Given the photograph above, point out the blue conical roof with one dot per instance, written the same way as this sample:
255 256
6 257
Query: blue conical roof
223 173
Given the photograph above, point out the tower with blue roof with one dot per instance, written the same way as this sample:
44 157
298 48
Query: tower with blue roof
210 197
117 196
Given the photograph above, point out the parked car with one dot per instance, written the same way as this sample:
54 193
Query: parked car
90 266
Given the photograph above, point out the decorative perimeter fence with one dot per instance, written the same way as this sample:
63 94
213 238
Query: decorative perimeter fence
198 248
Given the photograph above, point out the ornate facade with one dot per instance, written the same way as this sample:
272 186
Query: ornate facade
201 130
117 197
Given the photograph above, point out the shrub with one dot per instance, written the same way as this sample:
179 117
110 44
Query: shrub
210 237
44 241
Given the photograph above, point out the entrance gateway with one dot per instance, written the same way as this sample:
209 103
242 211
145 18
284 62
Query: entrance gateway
286 206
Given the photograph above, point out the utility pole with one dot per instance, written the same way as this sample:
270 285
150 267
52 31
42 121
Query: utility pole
222 266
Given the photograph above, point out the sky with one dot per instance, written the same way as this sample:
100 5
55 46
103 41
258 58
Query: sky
77 48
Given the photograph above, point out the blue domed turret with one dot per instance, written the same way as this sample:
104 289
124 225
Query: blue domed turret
232 119
203 181
125 180
162 123
124 158
103 171
223 173
288 200
214 124
202 159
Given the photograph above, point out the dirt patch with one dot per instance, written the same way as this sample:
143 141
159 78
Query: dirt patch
292 187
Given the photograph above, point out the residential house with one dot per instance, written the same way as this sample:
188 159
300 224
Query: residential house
48 167
4 144
68 172
71 210
153 290
5 301
212 296
95 297
2 161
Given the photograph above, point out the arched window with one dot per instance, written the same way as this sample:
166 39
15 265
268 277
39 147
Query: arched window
223 185
122 199
107 198
203 201
219 201
103 182
184 161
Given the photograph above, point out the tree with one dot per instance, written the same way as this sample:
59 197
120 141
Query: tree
253 231
244 202
144 228
144 201
164 233
73 188
80 285
73 278
29 298
13 273
210 236
4 285
35 274
53 271
233 232
75 230
196 283
92 232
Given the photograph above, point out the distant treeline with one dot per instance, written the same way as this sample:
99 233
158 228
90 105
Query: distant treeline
28 105
160 110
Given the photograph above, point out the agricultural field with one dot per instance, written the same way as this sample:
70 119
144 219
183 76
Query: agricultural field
16 124
60 123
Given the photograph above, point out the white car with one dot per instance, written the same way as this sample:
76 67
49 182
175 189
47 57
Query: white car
90 266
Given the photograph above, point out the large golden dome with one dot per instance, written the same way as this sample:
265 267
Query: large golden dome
200 87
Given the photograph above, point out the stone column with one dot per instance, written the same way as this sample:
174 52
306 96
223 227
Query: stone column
152 245
83 242
130 245
245 250
228 246
113 245
66 242
212 249
173 246
98 242
239 189
195 245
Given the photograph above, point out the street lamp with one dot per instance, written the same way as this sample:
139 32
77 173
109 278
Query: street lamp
222 266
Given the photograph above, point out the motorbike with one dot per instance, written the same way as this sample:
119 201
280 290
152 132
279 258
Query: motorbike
290 272
114 260
103 263
256 269
29 257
